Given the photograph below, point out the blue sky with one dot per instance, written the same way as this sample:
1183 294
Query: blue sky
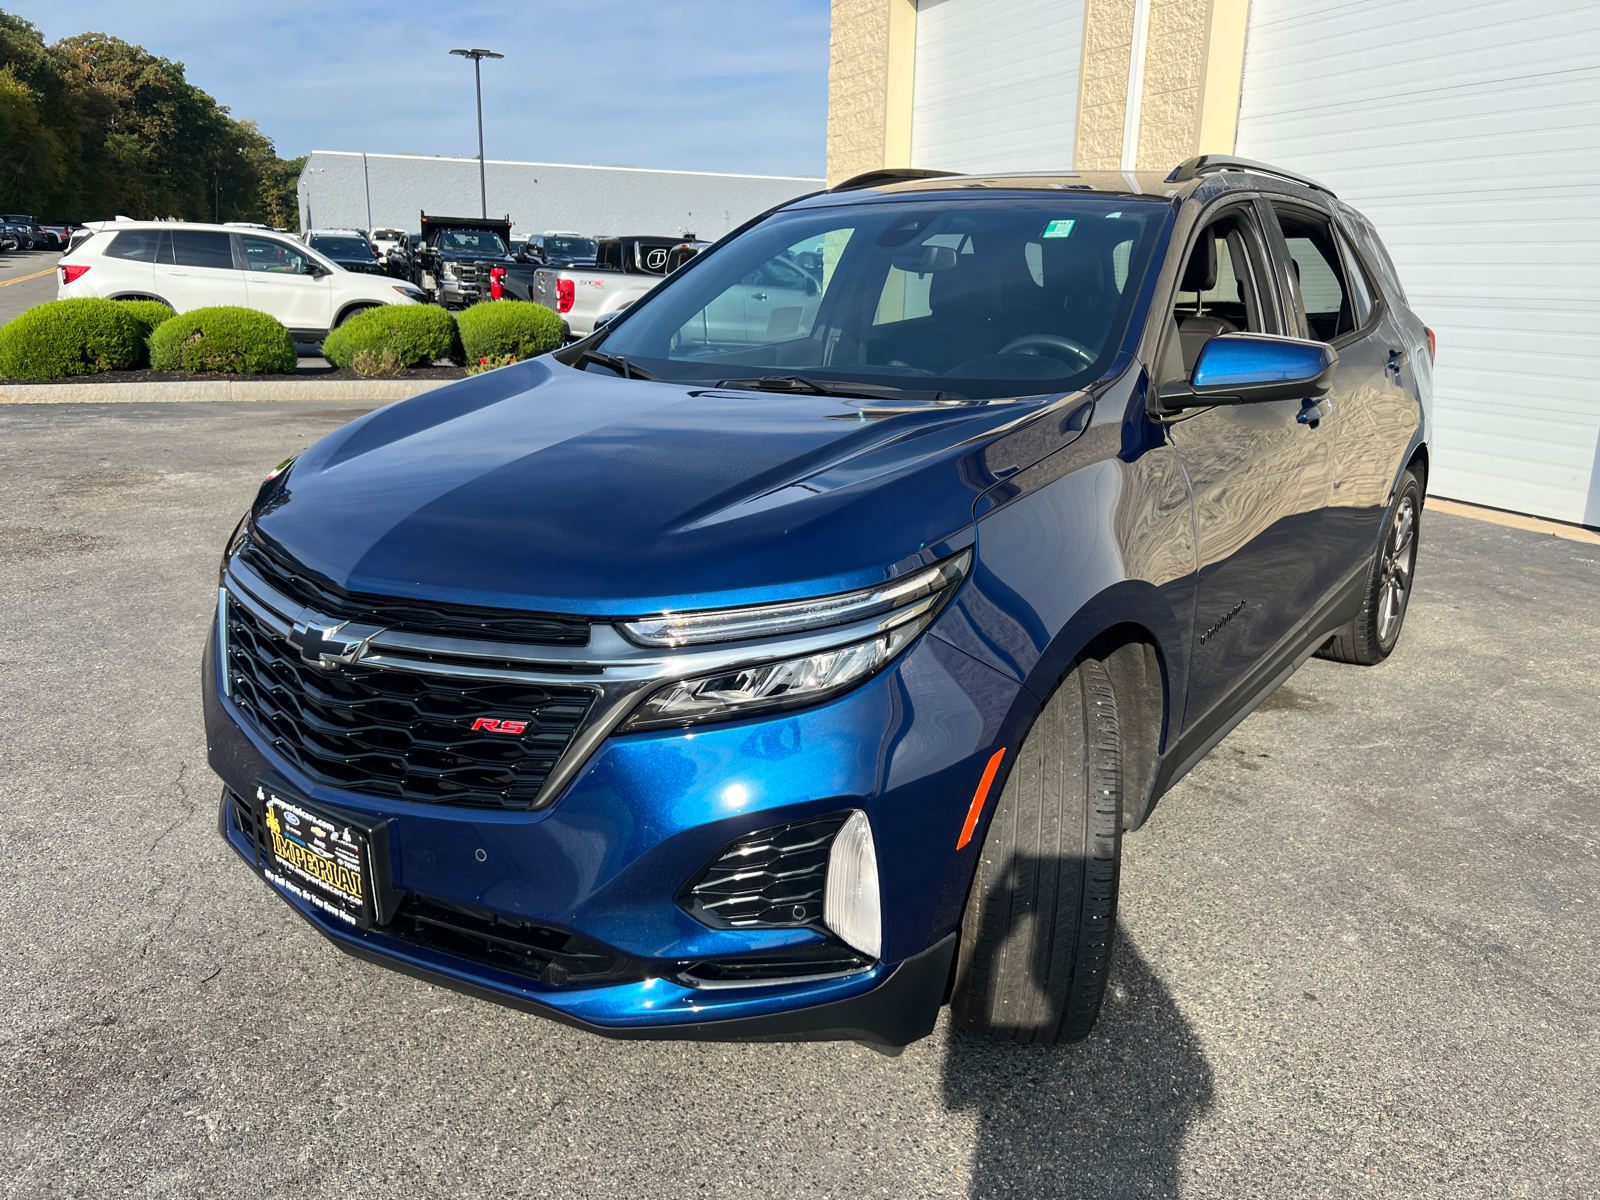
715 85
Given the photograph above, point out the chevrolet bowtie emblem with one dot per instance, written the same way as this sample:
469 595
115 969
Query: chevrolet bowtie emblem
330 646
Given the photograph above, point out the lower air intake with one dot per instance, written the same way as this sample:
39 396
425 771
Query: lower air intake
771 879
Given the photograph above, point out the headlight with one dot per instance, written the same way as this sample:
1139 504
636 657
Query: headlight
411 293
902 600
766 687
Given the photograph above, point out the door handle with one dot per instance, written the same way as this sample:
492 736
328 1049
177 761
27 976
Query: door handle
1397 359
758 295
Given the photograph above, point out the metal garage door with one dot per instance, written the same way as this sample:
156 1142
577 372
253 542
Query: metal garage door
1470 134
996 84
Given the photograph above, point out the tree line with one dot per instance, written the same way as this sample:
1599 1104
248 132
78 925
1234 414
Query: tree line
93 127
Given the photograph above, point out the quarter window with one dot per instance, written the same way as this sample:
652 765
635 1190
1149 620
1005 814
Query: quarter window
134 245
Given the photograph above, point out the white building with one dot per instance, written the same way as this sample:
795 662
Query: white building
339 189
1467 130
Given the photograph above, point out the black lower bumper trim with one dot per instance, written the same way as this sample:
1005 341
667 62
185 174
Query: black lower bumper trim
900 1010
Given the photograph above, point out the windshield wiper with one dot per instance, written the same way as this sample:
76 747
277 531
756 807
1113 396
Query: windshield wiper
618 364
799 384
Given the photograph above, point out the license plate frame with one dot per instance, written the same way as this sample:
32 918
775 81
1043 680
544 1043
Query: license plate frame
332 858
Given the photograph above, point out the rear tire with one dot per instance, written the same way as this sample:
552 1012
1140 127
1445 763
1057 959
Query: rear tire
1036 937
1375 631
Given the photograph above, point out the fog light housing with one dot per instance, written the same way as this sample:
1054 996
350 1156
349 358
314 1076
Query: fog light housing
851 906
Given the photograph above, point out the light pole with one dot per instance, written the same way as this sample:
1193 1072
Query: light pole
477 57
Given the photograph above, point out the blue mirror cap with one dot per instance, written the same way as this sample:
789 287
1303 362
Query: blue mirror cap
1232 360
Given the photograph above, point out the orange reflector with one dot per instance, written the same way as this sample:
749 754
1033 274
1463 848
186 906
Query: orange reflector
979 797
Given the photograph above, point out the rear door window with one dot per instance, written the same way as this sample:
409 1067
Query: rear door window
1317 275
201 248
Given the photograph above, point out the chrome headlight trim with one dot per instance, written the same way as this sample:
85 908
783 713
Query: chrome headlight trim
897 601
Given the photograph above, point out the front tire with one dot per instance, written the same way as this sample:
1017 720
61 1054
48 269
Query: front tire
1375 631
1036 937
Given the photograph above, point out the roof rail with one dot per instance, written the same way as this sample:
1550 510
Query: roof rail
1215 164
888 175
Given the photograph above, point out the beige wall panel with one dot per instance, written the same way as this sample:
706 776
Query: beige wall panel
858 87
1170 109
1103 86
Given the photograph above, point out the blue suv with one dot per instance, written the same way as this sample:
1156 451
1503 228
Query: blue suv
787 659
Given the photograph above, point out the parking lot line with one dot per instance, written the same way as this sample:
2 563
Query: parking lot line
25 278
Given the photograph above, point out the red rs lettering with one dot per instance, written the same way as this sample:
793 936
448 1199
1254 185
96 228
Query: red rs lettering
485 723
495 726
513 726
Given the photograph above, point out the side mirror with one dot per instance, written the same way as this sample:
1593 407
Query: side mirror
1253 368
316 270
811 286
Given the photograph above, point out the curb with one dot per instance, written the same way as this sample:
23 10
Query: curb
376 391
1511 520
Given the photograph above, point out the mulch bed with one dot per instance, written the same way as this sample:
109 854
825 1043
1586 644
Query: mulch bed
316 374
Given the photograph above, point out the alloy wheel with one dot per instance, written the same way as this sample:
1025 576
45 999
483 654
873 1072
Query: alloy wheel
1399 560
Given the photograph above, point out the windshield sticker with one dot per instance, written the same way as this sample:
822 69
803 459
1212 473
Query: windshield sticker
1059 229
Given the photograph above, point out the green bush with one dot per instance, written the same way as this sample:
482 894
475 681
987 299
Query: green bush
416 334
71 337
511 328
148 313
240 341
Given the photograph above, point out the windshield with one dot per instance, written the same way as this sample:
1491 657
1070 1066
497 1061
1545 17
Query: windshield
991 297
570 247
471 241
342 247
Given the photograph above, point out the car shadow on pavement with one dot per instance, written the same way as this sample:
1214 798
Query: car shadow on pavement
1103 1119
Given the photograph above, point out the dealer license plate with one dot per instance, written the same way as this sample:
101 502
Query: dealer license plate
317 857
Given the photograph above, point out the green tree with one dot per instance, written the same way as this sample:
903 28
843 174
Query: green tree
94 126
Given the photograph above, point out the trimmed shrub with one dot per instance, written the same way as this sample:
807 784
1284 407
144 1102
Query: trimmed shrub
240 341
71 337
148 313
416 334
377 364
513 328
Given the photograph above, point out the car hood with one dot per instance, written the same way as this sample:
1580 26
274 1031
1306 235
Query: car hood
544 488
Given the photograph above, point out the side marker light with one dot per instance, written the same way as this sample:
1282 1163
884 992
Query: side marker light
979 797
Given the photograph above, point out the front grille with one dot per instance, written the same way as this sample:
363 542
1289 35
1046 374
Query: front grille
399 734
414 616
552 956
771 879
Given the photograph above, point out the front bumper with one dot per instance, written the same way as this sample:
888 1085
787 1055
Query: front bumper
647 811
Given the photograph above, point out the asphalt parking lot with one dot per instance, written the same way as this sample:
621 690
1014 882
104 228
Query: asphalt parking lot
1357 958
27 278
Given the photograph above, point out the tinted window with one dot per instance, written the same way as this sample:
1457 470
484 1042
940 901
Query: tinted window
1318 275
566 247
136 245
201 248
1360 291
269 254
471 241
342 247
984 297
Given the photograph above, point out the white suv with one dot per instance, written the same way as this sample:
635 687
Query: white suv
196 266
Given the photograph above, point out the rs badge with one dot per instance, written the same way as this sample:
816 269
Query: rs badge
493 726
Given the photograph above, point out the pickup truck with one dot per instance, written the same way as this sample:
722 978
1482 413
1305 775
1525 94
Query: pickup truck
625 269
456 258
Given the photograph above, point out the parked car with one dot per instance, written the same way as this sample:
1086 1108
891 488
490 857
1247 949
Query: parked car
394 252
196 266
347 247
559 248
458 258
692 682
587 297
29 235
